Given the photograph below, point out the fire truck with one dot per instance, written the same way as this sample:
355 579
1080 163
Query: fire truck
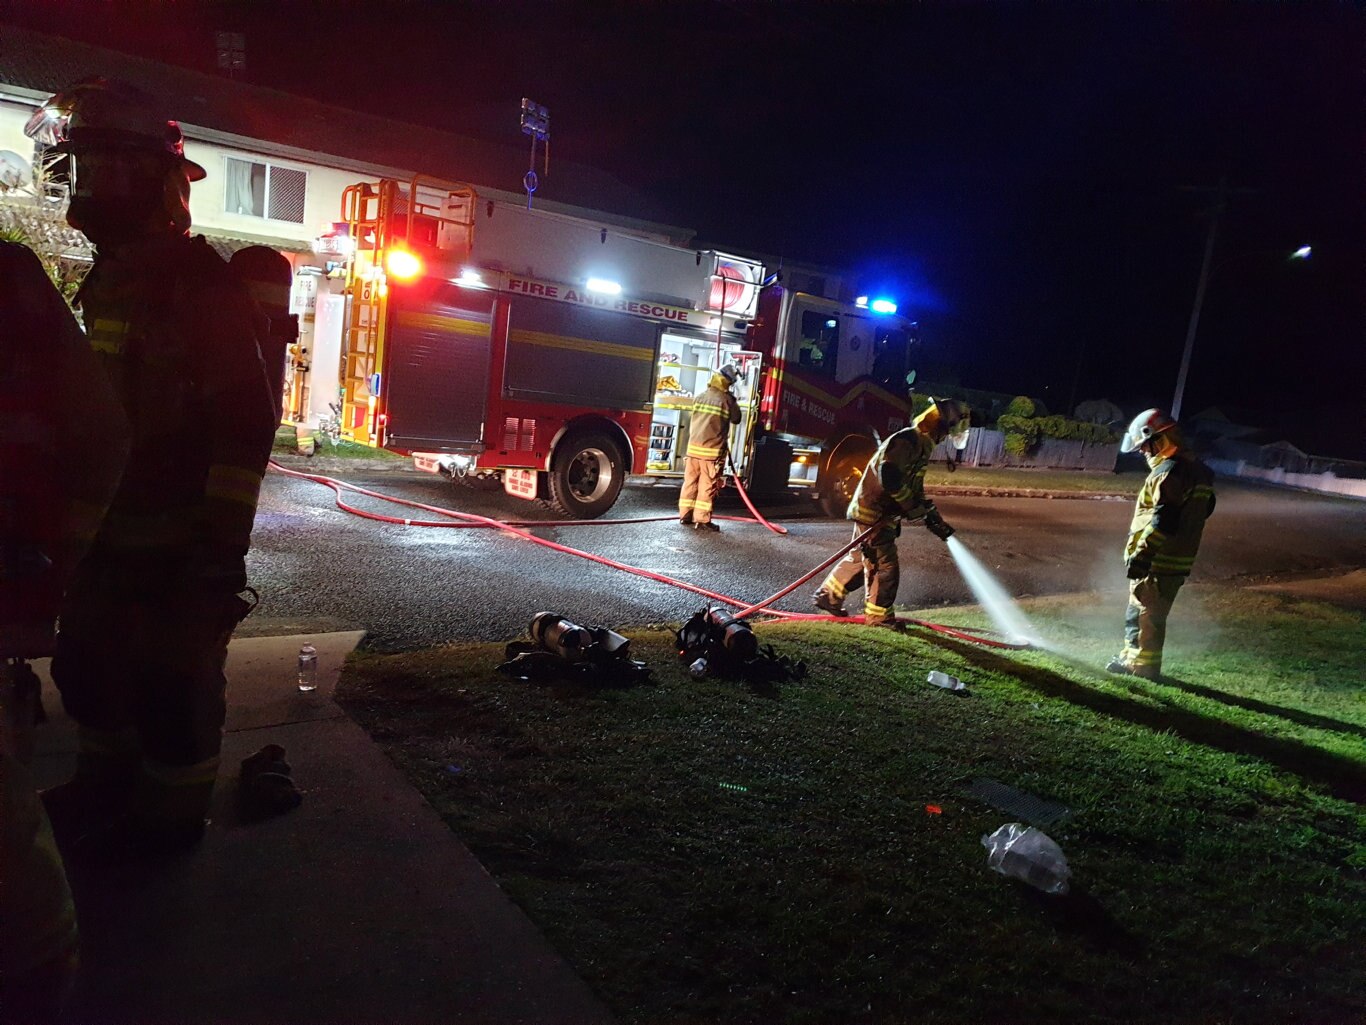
554 356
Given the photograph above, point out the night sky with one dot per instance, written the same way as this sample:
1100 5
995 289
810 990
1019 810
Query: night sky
1019 176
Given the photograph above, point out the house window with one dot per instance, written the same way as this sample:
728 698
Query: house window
255 189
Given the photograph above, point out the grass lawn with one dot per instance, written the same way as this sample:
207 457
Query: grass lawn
1015 478
702 852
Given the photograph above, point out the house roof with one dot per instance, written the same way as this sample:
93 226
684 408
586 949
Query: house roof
44 63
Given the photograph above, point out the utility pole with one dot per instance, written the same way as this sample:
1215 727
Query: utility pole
1220 205
1222 194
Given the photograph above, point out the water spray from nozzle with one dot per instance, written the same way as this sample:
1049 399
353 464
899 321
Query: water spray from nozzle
1005 615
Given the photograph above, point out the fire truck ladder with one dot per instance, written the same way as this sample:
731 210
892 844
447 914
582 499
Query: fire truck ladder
422 216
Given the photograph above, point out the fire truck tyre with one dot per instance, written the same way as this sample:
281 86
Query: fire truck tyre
841 478
586 475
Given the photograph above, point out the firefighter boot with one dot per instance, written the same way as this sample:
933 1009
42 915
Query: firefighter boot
709 525
826 603
98 794
1120 667
166 818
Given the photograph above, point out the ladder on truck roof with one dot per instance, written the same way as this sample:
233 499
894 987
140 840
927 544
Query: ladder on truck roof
421 216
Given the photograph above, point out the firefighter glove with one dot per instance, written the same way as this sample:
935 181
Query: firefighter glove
935 524
1137 569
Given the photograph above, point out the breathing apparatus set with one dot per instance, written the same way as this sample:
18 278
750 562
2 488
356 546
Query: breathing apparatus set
715 642
560 648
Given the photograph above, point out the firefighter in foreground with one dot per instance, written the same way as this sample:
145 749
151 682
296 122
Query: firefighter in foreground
713 413
50 507
145 627
1169 517
891 489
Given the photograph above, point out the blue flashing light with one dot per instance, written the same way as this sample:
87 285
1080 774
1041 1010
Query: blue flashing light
861 302
883 306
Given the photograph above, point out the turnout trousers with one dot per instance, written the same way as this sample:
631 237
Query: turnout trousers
873 564
142 676
1145 620
701 484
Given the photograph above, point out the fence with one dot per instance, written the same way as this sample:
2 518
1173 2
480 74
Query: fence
988 448
1327 482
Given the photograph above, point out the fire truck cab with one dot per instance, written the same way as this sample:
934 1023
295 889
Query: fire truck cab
837 381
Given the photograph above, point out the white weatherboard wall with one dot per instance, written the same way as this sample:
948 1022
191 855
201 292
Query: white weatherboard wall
322 197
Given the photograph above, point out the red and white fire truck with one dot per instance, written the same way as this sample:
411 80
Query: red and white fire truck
558 356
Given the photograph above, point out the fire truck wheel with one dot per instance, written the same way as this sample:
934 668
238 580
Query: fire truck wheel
841 477
586 475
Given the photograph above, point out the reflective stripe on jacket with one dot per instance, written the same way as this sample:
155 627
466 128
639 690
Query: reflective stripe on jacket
1170 515
893 486
712 414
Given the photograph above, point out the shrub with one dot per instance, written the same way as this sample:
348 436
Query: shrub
1021 406
1023 433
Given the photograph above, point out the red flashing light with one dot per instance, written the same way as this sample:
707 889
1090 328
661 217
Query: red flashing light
402 264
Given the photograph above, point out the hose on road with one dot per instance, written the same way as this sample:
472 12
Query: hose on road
455 518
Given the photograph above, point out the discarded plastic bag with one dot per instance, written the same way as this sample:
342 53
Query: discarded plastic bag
1029 855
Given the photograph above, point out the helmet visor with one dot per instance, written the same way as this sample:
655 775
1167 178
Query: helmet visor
47 126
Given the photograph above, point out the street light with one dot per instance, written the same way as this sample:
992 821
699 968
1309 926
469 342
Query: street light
1302 253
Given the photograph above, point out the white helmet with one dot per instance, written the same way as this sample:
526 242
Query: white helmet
1146 426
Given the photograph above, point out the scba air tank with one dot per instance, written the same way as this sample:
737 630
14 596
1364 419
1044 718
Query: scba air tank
555 634
736 636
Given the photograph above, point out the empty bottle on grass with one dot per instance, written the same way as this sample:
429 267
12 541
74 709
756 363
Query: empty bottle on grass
946 681
1029 855
308 669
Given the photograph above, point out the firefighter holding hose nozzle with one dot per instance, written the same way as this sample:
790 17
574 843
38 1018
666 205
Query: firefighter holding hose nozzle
891 489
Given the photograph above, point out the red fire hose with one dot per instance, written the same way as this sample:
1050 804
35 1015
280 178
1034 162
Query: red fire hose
462 519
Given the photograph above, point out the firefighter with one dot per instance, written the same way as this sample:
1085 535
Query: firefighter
713 413
891 489
50 507
1169 517
145 626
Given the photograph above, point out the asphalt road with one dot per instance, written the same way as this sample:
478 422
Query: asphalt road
319 568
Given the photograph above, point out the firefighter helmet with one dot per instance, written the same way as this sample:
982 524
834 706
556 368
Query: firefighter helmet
102 113
730 372
956 417
1146 426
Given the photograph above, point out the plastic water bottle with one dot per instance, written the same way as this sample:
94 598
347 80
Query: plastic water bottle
946 681
1024 853
698 669
308 669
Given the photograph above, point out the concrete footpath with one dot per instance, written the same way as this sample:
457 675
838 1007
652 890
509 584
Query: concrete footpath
359 906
